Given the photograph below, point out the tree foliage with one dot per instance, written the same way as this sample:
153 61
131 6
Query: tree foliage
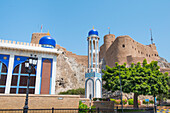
141 80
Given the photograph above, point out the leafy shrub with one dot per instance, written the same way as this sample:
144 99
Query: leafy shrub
111 99
83 107
117 101
151 101
124 101
79 91
130 101
144 102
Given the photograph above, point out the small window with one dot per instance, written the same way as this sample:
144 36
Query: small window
123 45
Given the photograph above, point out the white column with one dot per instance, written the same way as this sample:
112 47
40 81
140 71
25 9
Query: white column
9 75
38 74
53 75
88 54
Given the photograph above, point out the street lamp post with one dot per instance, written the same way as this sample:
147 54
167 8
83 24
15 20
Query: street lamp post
29 64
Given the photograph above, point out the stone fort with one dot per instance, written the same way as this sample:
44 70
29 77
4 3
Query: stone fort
125 49
71 68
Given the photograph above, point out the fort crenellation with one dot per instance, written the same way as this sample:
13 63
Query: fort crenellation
124 49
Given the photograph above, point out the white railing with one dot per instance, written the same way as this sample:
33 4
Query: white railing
19 43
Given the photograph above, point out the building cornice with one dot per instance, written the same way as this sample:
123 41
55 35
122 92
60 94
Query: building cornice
5 44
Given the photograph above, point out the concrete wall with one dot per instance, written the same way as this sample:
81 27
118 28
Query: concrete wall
17 101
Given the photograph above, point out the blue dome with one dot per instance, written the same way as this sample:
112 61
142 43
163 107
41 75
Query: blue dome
93 32
47 41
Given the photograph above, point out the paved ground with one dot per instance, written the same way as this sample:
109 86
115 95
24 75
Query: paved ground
163 110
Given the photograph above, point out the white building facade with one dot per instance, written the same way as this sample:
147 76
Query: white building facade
13 76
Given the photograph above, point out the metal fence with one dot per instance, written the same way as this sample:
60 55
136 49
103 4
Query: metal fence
98 110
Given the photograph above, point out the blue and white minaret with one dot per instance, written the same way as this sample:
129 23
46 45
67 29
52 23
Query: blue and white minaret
93 79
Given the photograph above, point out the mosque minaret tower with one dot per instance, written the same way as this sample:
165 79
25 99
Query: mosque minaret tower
93 79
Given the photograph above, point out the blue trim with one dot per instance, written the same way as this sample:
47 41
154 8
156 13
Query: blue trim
0 68
3 86
91 54
93 74
24 74
51 75
22 59
50 85
40 86
5 61
18 79
86 87
97 86
22 87
3 73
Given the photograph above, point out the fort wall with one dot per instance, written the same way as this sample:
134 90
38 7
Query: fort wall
125 49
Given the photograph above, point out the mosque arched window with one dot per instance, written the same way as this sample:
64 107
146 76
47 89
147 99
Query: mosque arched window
19 80
3 77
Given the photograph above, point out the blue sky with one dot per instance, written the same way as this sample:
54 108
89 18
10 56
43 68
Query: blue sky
70 20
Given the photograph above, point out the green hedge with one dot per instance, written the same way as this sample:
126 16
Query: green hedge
79 91
130 101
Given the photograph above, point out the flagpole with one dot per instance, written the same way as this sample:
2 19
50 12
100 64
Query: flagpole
41 28
109 30
151 36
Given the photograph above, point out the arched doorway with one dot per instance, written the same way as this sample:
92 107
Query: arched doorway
90 88
98 88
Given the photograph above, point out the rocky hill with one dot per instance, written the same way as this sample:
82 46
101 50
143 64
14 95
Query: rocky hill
71 70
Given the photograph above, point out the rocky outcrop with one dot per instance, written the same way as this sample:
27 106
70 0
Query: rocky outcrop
163 63
70 73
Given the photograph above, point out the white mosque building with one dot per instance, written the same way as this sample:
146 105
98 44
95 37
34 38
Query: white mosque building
13 76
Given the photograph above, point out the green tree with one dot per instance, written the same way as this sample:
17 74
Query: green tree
141 80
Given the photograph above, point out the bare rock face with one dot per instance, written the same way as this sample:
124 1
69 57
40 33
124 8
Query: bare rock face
163 63
70 73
